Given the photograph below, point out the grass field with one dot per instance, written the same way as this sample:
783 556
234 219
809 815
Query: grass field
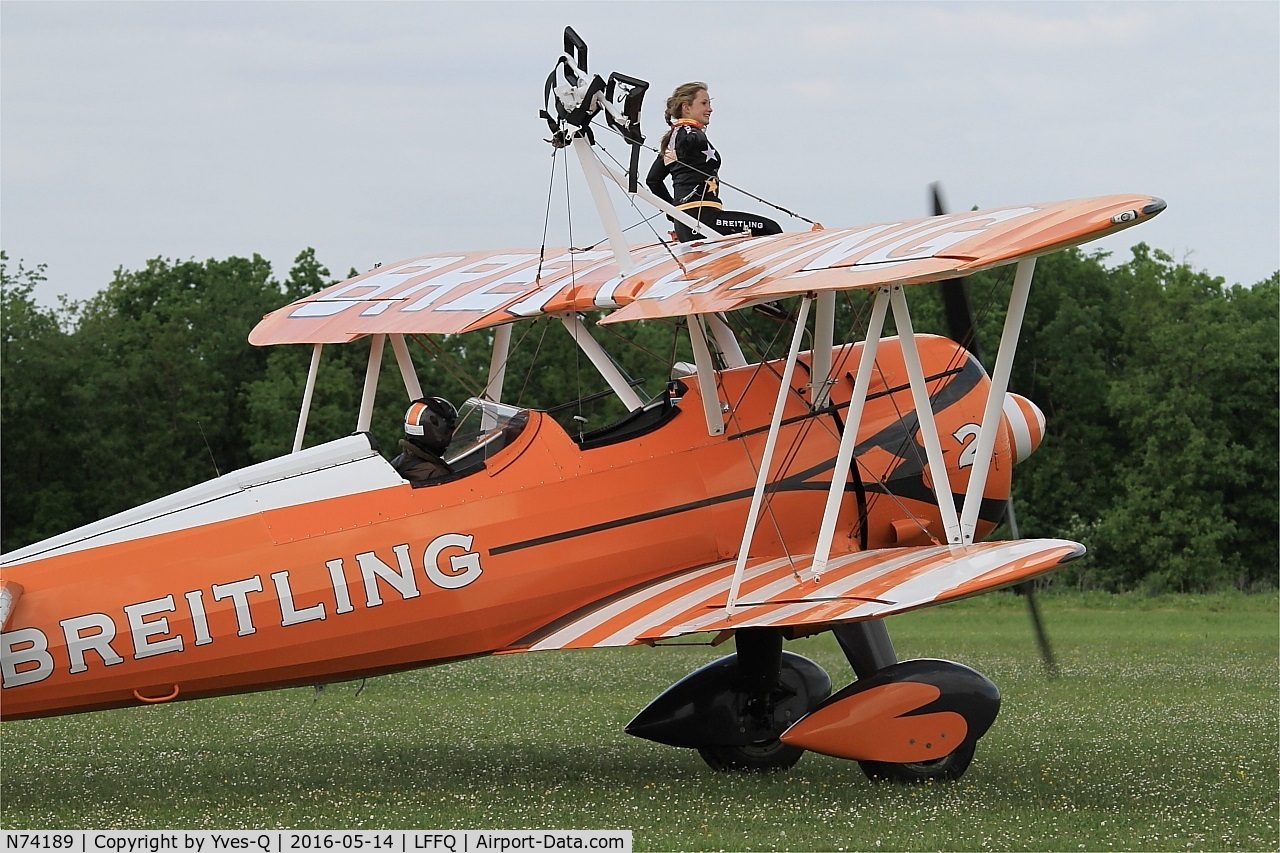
1162 733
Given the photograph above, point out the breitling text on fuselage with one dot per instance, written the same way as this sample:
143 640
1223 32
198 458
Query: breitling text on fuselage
144 629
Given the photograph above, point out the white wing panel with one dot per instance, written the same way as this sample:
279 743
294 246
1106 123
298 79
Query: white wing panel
781 592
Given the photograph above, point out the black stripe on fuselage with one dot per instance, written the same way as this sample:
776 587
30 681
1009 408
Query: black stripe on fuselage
797 482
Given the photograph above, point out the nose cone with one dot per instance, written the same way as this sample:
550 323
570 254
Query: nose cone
1025 423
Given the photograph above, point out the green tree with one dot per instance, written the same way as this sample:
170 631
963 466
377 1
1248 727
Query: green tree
36 366
158 361
272 398
1196 399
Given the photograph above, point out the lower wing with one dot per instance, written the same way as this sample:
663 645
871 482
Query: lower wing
783 593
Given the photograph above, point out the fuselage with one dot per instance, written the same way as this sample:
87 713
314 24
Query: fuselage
326 566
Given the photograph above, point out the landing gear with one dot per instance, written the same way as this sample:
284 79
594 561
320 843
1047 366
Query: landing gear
761 757
760 709
866 645
763 689
939 770
869 650
734 710
914 721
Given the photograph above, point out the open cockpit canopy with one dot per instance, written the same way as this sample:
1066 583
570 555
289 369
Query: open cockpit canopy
484 428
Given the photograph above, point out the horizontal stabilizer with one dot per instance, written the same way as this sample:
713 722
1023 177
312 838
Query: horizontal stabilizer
782 592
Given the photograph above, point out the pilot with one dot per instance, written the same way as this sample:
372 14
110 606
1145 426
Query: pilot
428 427
693 164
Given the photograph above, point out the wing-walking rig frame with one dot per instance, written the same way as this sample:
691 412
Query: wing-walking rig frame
576 98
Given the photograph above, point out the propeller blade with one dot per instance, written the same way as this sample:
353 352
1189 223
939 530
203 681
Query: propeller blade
955 294
1027 590
960 325
939 206
1042 638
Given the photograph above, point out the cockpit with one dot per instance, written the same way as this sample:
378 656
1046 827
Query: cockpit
484 428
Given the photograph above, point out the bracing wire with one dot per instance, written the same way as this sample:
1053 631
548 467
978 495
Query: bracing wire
613 332
208 448
645 220
577 360
533 360
546 216
725 183
446 360
885 491
789 453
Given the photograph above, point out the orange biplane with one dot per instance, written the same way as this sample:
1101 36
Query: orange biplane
764 502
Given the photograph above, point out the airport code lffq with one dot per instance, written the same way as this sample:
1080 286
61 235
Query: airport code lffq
302 841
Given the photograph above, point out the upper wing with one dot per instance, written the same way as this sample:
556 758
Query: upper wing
779 592
910 252
449 293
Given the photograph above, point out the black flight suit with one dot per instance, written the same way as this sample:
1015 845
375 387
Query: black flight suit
695 176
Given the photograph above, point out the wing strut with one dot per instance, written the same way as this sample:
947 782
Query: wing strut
412 386
591 169
706 376
995 398
376 344
924 416
959 530
762 475
307 393
844 457
600 359
497 373
726 341
824 327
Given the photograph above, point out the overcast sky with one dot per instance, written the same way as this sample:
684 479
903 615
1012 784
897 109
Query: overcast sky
377 131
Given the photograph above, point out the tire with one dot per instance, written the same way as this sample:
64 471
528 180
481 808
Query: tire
761 757
945 769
